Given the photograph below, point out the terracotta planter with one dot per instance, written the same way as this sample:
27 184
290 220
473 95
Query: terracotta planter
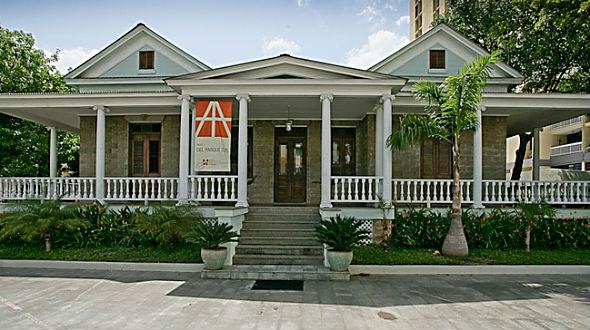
339 260
214 258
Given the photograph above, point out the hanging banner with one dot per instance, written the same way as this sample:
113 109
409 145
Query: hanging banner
213 136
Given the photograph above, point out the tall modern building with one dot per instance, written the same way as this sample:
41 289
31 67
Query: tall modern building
422 13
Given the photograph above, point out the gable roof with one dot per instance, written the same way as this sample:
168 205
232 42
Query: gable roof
189 62
285 66
447 32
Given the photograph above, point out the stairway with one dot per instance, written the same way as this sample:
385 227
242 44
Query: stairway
279 236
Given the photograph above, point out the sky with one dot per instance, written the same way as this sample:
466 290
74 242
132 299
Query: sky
357 33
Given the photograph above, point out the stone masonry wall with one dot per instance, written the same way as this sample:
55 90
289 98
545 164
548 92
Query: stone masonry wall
117 144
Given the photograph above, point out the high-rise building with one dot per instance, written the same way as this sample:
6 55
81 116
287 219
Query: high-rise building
422 13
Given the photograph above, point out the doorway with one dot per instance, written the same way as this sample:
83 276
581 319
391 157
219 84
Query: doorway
290 165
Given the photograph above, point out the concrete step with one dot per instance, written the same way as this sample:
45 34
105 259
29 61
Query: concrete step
279 250
262 259
248 224
276 272
274 210
301 233
285 241
283 217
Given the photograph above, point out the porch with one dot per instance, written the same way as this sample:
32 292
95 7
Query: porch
345 190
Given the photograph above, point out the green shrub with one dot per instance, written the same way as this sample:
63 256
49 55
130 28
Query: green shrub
33 219
340 234
211 236
500 229
167 225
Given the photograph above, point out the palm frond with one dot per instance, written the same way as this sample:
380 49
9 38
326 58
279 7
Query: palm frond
415 129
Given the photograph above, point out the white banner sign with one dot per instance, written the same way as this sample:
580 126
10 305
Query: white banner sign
213 136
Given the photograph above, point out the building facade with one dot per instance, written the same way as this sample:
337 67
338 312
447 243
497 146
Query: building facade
422 13
303 132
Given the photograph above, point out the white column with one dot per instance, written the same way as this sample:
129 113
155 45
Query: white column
387 154
192 135
378 140
326 100
52 152
100 151
243 151
477 161
536 154
184 149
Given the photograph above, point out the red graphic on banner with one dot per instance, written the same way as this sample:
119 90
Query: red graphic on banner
213 119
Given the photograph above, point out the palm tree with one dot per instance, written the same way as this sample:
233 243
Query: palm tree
451 108
32 218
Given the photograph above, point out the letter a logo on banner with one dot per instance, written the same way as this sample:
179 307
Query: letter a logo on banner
213 136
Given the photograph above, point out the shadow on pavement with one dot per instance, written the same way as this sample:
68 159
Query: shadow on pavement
371 291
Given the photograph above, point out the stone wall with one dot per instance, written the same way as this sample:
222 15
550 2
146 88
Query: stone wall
117 144
406 163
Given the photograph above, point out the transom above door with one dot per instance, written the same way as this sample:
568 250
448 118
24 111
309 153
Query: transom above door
290 165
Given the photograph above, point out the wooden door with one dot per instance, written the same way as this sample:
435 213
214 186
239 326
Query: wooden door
343 151
436 160
290 167
145 155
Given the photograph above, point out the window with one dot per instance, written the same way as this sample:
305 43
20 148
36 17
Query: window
145 149
435 8
343 151
437 59
146 60
418 18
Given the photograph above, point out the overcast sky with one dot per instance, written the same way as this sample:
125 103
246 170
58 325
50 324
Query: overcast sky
357 33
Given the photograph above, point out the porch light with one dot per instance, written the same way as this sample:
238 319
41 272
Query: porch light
289 123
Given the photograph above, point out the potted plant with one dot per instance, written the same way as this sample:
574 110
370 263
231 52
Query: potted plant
210 237
340 234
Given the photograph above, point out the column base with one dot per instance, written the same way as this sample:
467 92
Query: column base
478 206
182 202
242 204
326 205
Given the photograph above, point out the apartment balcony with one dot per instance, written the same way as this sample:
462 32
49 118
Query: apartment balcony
566 149
576 121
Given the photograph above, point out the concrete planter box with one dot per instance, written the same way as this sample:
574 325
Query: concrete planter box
214 258
339 260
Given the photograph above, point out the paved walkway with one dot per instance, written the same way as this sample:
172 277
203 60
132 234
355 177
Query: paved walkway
74 299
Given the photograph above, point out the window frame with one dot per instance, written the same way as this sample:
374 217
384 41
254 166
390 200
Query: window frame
147 137
146 66
435 65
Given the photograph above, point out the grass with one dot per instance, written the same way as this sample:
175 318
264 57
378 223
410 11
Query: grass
363 255
182 253
374 255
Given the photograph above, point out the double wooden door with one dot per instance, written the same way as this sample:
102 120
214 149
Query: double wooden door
290 165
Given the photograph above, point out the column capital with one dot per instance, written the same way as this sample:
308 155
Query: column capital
326 96
100 107
240 97
185 97
50 128
386 97
481 108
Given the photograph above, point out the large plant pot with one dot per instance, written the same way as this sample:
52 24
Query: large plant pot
214 258
339 260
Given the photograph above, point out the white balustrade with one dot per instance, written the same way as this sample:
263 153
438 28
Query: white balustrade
495 192
217 188
141 189
20 188
356 189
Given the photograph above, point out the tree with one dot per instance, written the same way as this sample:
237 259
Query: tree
24 146
451 108
548 41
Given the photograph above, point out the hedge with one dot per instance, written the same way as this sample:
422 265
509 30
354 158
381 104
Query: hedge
501 229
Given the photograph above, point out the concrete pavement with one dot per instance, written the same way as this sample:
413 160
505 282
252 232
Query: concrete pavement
101 299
